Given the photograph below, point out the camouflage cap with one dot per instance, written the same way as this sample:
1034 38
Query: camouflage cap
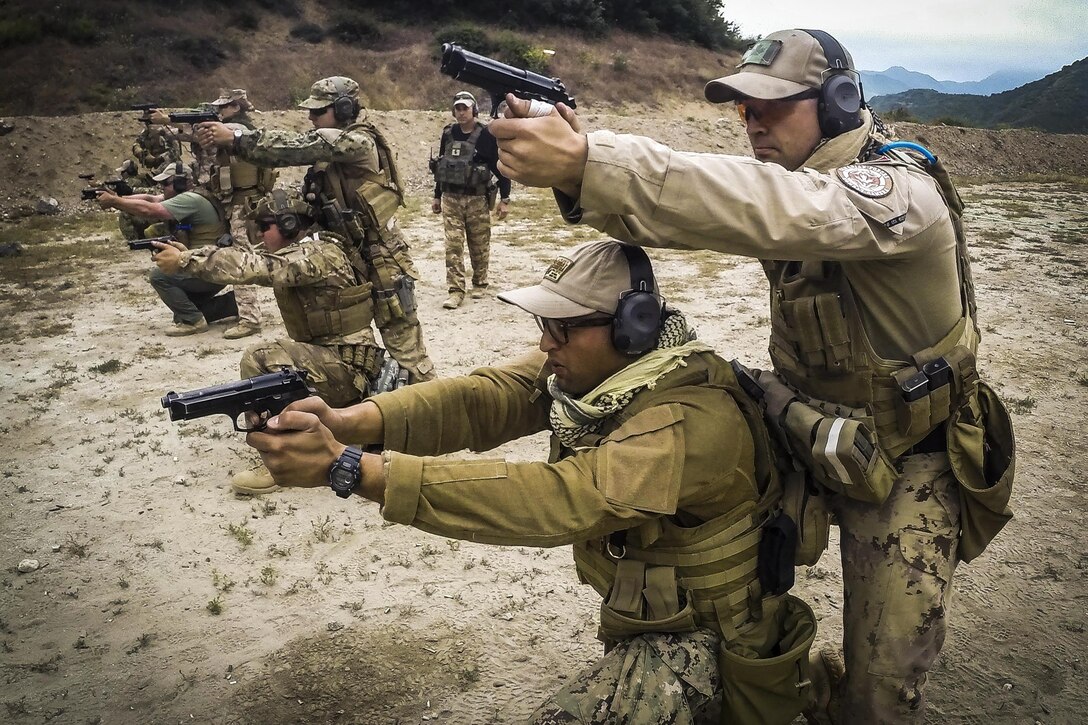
327 90
281 201
783 64
235 95
171 169
589 278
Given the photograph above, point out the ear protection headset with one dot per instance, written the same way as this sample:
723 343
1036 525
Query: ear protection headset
640 312
180 179
841 95
286 220
344 108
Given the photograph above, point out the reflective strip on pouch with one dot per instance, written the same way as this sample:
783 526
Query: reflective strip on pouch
831 452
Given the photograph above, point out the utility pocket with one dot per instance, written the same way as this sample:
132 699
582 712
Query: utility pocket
387 309
819 331
616 625
982 451
808 509
774 688
842 453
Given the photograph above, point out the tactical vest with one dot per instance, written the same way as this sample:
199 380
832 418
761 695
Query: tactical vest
201 235
457 171
233 179
665 577
820 348
373 191
321 314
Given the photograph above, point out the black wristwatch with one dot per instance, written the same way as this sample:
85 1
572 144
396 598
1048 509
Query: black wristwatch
345 473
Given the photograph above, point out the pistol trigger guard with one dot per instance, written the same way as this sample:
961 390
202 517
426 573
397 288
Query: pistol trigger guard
496 101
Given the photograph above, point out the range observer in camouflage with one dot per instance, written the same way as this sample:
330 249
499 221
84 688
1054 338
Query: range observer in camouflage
352 171
326 309
884 296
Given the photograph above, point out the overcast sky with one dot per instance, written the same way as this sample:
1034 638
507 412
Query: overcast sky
951 40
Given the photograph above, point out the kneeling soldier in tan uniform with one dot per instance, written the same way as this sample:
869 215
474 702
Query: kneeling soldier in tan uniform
326 308
660 476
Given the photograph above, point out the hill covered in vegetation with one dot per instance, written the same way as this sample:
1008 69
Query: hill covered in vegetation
1057 103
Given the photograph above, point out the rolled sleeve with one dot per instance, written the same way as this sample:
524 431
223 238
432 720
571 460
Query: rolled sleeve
403 482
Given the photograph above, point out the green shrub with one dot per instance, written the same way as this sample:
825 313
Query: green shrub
619 63
18 31
309 32
285 8
203 53
353 28
244 19
468 35
517 52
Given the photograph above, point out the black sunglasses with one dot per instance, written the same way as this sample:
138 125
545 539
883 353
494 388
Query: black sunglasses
558 330
265 224
319 111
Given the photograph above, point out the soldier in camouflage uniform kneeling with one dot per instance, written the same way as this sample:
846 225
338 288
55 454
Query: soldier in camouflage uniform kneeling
327 309
354 189
660 475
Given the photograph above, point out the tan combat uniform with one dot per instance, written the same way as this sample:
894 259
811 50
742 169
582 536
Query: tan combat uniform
239 184
327 312
663 504
343 159
877 288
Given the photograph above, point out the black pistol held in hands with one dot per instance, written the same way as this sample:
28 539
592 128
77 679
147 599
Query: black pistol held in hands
498 79
264 396
148 243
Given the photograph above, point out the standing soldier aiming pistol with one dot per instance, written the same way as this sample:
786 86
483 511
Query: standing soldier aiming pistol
355 190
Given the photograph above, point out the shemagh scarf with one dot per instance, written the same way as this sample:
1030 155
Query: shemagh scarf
571 418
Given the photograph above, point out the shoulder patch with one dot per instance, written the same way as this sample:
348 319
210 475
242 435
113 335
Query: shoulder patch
557 269
867 180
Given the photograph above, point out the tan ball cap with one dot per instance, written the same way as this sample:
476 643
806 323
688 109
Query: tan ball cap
783 64
589 278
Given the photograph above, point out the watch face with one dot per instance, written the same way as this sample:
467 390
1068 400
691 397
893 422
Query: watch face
343 479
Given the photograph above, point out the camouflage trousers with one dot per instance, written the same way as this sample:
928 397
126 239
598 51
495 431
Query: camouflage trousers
897 562
337 382
466 219
390 267
244 233
651 679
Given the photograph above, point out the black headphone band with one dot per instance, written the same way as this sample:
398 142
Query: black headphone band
837 62
841 95
642 274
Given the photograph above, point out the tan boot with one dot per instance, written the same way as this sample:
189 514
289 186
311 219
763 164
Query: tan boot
454 300
242 329
181 329
827 671
253 483
478 293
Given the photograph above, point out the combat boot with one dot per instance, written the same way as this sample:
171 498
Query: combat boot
826 670
454 300
478 293
242 329
254 482
181 329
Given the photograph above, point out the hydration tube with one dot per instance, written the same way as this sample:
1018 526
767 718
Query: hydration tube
909 145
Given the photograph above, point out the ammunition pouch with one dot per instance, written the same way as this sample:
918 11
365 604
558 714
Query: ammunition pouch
982 453
773 688
806 505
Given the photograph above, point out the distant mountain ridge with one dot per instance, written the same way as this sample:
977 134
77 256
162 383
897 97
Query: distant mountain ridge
1057 103
898 79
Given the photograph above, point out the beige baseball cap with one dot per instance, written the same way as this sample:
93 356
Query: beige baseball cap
464 98
589 278
783 64
171 169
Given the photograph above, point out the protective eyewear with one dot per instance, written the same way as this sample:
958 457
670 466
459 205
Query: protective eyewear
770 112
265 224
559 330
319 111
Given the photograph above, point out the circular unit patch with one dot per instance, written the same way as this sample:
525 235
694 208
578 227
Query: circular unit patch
870 181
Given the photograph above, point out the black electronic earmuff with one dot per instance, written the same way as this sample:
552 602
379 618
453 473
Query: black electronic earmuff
640 312
841 95
179 181
344 108
286 220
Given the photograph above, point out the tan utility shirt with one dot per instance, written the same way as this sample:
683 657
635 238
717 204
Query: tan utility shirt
683 448
897 249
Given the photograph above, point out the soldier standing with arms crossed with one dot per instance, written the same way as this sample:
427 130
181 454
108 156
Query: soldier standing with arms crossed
873 333
355 190
463 194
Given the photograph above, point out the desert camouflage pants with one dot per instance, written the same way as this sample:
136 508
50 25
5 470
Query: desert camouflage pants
466 219
245 237
399 327
651 679
897 562
336 382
